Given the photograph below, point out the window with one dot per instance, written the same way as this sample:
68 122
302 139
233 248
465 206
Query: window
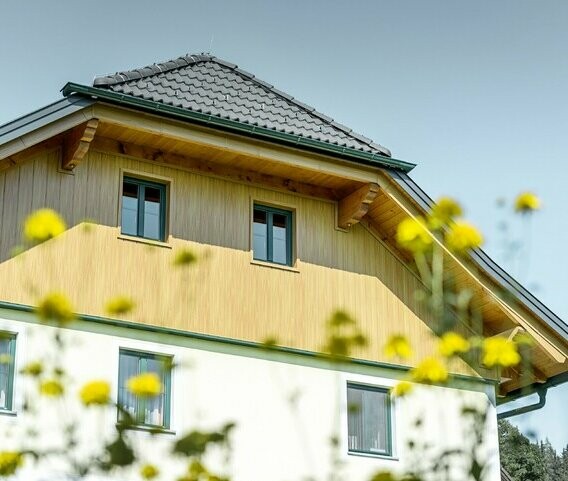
153 412
272 235
7 361
143 209
368 420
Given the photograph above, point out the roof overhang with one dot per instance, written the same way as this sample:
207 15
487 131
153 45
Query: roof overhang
238 127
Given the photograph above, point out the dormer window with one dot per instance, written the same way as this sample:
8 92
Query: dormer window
143 209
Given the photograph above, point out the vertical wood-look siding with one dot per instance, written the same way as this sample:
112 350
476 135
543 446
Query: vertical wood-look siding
225 294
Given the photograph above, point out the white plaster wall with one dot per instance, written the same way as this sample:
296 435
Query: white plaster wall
286 407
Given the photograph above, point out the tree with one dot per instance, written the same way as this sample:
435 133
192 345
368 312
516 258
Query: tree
522 459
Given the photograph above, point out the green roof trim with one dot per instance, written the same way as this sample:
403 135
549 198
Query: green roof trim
365 158
244 343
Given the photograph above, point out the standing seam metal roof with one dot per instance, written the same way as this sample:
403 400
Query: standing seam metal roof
206 84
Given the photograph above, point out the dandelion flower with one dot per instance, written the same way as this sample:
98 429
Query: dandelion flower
398 346
119 305
42 225
527 202
443 212
95 393
51 388
55 307
10 461
498 351
463 236
149 471
402 389
412 234
429 371
452 343
145 385
34 369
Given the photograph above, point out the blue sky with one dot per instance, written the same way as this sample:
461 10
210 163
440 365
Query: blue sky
473 92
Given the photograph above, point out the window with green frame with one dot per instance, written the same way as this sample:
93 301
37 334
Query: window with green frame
143 211
369 420
272 235
154 411
7 362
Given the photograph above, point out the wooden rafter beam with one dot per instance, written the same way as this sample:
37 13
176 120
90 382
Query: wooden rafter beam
77 143
513 379
352 208
211 168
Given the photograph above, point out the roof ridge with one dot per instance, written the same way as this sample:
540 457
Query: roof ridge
149 70
191 59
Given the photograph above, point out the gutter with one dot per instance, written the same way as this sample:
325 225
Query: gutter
526 409
361 157
540 389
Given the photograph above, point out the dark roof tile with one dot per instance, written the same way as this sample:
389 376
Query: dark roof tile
204 83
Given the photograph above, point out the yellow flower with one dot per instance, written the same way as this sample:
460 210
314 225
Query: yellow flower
444 211
51 388
42 225
95 393
398 346
5 359
149 471
145 385
184 257
527 202
10 461
402 389
451 344
55 307
33 369
463 236
119 305
430 370
412 234
384 476
498 351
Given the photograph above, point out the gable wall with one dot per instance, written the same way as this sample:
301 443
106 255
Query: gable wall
224 294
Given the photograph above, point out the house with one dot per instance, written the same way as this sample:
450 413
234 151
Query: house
291 216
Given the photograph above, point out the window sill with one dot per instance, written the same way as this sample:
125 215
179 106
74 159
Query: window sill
371 455
142 240
274 265
6 412
148 429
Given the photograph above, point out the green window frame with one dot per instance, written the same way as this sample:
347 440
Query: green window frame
7 353
269 224
144 410
369 423
135 208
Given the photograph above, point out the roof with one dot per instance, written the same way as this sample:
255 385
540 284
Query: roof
41 117
488 265
206 84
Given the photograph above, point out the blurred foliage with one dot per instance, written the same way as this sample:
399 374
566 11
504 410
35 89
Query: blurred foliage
455 329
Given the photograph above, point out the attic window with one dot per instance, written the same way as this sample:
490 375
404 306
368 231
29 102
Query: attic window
143 209
272 235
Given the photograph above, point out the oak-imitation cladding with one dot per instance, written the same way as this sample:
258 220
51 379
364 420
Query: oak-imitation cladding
224 294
